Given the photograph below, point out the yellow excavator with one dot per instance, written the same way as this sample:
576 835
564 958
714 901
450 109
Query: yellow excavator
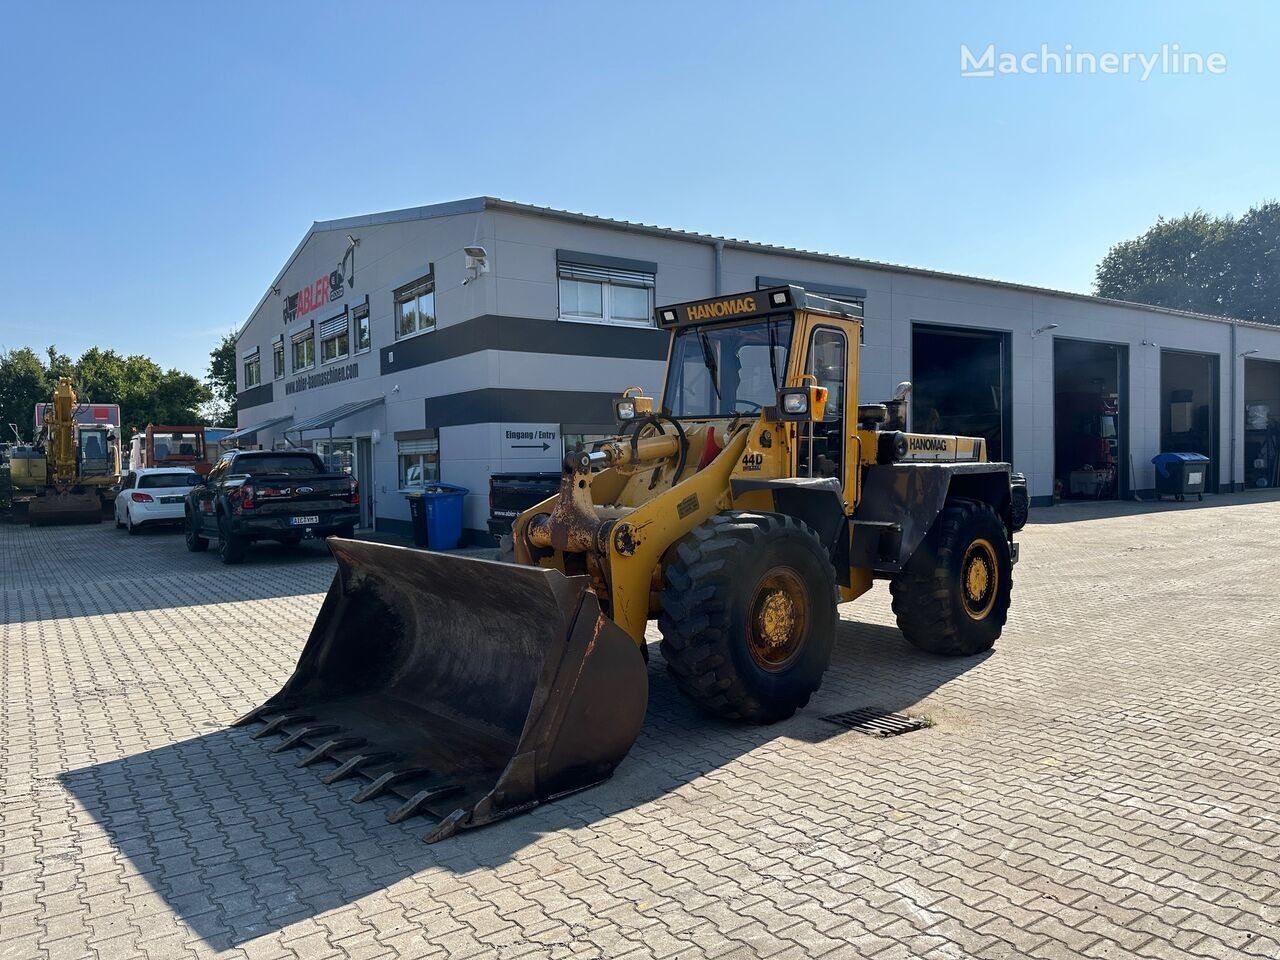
79 466
737 512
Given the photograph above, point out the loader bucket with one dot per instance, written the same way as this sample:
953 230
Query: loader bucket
470 689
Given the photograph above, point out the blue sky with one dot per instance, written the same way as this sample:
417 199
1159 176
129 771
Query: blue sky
160 161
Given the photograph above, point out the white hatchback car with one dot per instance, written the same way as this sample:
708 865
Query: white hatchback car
153 495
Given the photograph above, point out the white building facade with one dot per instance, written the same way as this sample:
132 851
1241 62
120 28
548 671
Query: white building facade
385 344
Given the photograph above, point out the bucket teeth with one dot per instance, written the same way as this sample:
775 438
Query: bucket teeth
386 780
295 738
414 803
322 752
352 766
271 726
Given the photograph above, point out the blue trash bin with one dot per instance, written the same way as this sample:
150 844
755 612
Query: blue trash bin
1180 475
444 515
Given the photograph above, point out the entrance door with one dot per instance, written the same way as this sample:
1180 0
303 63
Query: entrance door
364 476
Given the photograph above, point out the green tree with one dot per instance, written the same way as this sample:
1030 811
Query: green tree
1217 265
23 384
58 365
222 380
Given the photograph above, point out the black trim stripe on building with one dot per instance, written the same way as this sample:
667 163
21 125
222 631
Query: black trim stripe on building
503 405
830 289
525 335
255 396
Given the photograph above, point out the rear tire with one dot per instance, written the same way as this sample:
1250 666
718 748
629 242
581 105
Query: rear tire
749 615
129 525
231 548
953 597
195 542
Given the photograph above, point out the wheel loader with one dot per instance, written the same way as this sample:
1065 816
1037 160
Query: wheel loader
737 511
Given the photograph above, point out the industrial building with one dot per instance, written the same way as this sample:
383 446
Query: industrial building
456 340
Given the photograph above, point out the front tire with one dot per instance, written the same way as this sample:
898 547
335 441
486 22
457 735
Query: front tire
953 597
749 615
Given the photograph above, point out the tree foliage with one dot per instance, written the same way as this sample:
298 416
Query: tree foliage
145 392
1225 266
222 378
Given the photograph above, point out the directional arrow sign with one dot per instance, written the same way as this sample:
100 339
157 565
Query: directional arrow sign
531 440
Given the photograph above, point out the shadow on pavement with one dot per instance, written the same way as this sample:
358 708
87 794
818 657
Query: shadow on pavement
240 842
1078 511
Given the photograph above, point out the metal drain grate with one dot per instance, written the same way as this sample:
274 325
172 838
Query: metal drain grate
875 723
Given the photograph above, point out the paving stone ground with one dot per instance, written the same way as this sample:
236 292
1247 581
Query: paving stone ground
1105 784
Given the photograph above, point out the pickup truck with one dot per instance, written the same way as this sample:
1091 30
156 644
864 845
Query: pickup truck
281 495
511 494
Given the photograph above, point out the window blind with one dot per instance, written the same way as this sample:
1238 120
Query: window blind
332 327
567 270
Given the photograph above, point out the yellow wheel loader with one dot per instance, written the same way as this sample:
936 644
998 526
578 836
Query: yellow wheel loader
738 512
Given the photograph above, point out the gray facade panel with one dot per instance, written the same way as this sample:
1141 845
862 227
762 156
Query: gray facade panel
523 335
255 396
500 405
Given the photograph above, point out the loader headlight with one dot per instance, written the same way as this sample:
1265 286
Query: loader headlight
795 404
624 409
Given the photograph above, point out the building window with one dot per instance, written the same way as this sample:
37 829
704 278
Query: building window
601 294
362 328
304 350
419 462
277 359
416 307
252 370
335 339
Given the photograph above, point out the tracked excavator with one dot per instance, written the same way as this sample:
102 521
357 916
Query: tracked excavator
79 467
737 511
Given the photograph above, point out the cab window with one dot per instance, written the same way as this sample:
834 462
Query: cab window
829 363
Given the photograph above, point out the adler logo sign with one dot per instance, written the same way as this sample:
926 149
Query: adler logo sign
313 296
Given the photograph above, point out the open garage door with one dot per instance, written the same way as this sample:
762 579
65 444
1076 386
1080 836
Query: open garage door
1189 407
1261 423
1090 419
961 385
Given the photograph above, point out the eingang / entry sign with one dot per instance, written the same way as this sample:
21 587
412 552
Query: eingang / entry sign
531 440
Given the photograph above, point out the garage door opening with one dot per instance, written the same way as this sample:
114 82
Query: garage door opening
961 385
1261 423
1090 386
1189 408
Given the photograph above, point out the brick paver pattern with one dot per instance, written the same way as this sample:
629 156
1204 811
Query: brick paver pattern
1103 785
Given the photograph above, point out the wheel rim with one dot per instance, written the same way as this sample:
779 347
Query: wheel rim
778 619
979 579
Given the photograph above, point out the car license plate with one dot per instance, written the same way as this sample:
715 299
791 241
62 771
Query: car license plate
303 521
170 499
